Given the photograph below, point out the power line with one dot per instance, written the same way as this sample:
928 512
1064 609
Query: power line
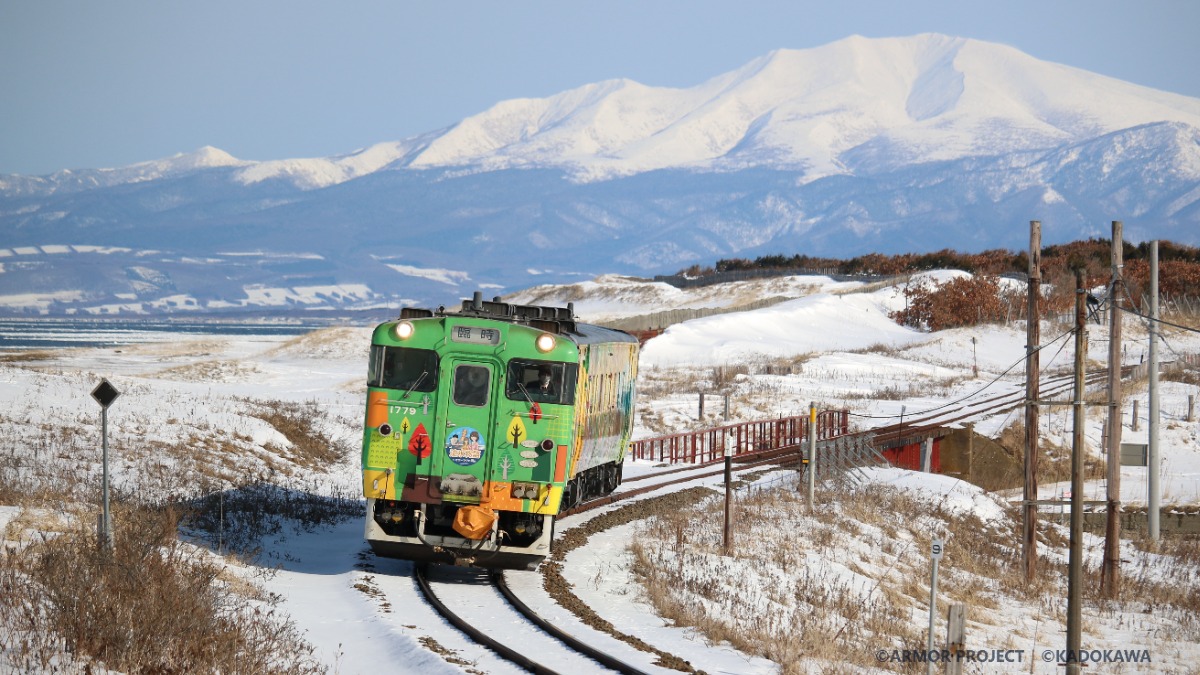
1162 321
966 397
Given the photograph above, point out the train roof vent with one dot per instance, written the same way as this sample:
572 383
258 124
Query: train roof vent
553 326
529 311
415 313
495 309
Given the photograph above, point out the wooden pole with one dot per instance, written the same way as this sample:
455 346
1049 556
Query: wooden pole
1110 578
956 637
1152 461
1075 556
1032 377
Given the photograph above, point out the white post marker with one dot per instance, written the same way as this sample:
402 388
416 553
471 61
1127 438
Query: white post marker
935 551
105 394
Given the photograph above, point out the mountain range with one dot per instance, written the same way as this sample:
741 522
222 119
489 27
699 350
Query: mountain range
862 145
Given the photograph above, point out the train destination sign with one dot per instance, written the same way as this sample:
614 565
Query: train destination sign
477 335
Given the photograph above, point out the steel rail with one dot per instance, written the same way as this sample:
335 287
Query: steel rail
474 633
1000 403
562 636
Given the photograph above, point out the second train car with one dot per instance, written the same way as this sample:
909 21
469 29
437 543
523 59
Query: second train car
482 425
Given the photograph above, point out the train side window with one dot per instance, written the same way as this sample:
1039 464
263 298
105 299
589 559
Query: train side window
471 385
541 381
375 366
403 368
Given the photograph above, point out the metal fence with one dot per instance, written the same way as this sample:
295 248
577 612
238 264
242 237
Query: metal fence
710 444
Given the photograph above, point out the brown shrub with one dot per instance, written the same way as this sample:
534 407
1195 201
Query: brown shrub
965 301
146 606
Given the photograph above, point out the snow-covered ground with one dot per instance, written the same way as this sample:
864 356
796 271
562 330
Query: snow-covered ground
196 401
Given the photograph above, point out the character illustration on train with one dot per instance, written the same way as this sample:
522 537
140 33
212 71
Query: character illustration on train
484 424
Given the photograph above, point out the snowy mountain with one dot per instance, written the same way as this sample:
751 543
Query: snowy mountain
886 145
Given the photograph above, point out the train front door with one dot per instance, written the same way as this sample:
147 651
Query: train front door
467 438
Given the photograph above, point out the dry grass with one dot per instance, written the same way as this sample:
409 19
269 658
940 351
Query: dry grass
1054 461
309 447
1185 374
32 355
211 371
327 343
810 613
724 377
148 606
780 598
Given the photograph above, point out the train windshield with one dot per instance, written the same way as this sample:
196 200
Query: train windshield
541 381
403 368
471 385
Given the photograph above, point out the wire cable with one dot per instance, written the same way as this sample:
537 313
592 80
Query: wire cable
1162 321
966 397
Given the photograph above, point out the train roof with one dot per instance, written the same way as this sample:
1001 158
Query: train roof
558 320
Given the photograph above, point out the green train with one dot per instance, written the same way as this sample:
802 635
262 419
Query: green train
482 425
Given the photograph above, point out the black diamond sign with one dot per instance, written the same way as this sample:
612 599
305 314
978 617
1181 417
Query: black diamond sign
105 393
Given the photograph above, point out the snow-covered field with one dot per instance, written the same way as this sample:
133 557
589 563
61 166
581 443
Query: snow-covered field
190 419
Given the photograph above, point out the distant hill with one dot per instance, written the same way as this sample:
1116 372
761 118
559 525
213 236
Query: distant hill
863 145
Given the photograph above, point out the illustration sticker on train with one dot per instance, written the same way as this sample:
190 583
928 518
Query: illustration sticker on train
483 425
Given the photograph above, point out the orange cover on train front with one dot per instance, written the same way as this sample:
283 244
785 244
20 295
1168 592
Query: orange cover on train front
474 522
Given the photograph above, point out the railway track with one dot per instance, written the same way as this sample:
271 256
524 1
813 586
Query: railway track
1055 387
545 648
490 602
473 600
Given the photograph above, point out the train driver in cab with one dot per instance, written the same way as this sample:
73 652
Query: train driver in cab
543 388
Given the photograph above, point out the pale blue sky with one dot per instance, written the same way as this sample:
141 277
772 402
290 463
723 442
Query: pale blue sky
88 84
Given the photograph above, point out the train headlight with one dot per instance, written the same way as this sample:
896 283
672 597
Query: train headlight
544 343
403 330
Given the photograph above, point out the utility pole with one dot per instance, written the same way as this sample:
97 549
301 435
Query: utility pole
1152 498
1110 578
1032 375
1075 556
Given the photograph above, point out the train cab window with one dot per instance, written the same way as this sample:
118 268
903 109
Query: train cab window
403 368
541 381
471 385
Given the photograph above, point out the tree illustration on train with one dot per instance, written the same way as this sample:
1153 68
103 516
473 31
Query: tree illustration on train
482 425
